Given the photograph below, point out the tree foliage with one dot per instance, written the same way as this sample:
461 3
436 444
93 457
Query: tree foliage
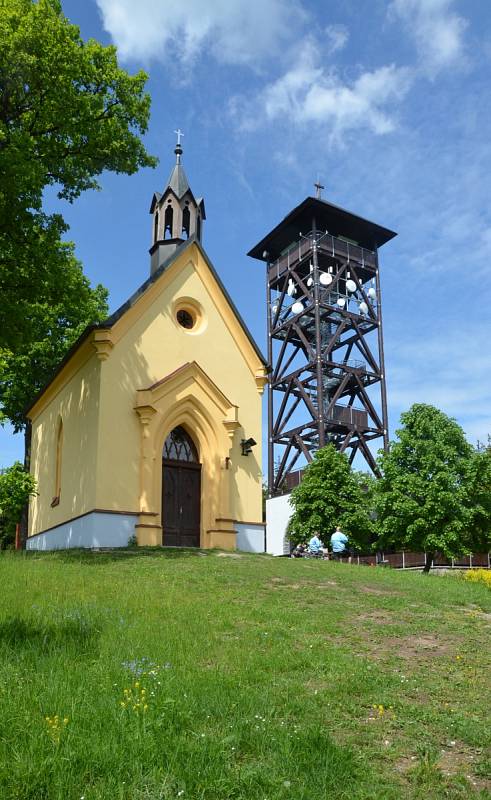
434 493
331 494
67 112
52 328
16 486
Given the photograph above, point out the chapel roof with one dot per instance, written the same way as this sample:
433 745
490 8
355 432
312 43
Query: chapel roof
113 318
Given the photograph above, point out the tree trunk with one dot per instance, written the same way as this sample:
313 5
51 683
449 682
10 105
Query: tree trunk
429 560
24 519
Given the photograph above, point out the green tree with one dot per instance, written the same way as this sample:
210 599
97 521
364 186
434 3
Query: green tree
331 494
16 486
430 495
67 112
479 480
52 328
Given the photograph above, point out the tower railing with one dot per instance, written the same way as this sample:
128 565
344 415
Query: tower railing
327 244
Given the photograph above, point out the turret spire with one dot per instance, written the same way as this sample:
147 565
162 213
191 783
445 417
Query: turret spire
177 214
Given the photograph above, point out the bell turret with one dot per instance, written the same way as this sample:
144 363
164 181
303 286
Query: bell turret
176 214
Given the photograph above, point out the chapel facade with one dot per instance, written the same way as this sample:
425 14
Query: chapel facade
151 426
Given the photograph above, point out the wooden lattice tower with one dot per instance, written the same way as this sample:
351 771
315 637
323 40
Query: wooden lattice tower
325 342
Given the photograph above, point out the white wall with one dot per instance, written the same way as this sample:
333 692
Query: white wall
250 537
278 512
91 530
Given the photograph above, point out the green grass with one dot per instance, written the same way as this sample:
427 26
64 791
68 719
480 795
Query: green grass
266 679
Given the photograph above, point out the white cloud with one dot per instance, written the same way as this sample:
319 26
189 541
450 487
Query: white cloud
309 94
337 37
437 31
238 32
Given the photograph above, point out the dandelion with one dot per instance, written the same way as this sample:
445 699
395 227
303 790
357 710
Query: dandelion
55 726
135 698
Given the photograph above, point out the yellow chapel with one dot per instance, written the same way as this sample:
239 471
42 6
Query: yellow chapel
151 427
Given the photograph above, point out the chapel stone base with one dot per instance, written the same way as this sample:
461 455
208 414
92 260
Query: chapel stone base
222 538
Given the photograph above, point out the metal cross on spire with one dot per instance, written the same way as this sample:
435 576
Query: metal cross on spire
178 147
319 187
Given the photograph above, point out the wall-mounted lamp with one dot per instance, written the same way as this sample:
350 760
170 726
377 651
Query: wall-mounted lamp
247 445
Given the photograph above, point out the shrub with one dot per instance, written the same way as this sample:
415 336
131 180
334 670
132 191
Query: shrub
478 576
16 486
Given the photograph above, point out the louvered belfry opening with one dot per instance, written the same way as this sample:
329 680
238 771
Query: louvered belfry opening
325 342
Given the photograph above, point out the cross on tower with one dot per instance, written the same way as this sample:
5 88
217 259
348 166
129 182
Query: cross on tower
179 134
318 187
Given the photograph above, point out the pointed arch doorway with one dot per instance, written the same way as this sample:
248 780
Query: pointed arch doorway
181 491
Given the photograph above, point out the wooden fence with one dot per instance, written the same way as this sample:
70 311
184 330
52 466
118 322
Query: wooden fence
405 560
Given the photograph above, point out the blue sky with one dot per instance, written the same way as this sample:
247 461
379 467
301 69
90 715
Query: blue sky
388 101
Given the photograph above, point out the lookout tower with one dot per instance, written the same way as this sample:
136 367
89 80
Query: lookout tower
325 342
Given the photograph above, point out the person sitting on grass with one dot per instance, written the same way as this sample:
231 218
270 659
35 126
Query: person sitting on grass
339 540
299 550
315 545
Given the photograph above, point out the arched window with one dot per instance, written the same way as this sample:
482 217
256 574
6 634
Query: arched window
168 219
180 447
156 227
186 221
59 453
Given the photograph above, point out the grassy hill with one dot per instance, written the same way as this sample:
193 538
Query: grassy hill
159 675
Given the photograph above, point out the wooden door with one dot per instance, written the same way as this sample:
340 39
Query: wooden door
181 500
181 492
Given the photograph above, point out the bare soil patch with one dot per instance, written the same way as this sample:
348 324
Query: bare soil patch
229 555
377 617
456 758
374 590
410 648
422 646
281 583
404 764
286 586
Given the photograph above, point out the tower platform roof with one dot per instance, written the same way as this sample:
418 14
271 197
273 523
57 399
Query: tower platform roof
328 217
